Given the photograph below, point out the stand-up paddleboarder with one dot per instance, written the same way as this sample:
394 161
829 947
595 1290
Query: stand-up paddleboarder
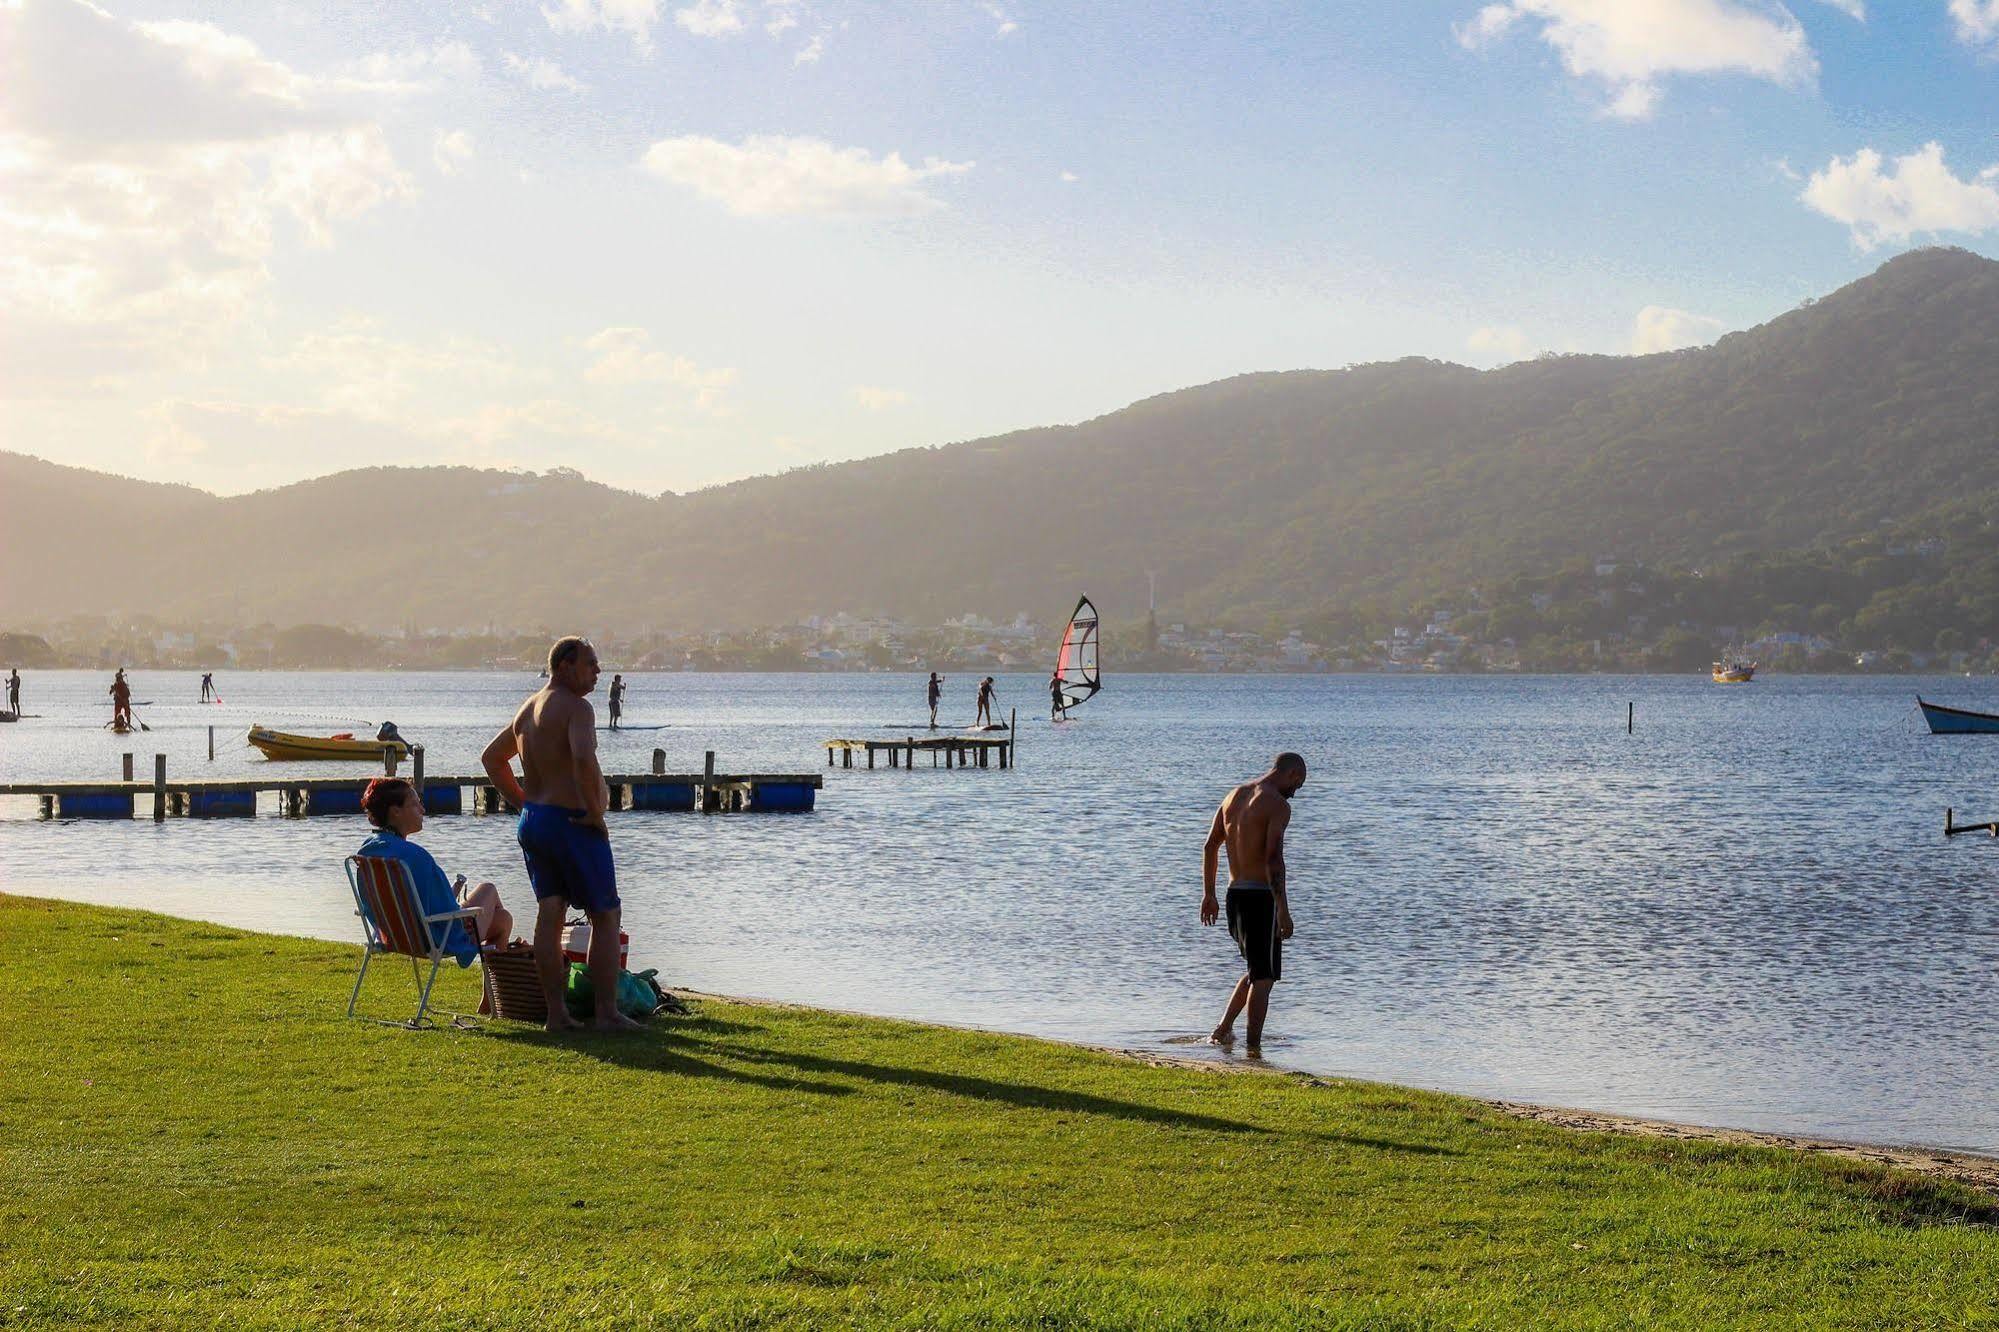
936 696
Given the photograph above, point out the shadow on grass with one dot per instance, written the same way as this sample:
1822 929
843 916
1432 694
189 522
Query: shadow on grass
661 1050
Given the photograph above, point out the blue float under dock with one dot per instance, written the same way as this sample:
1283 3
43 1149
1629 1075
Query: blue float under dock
93 805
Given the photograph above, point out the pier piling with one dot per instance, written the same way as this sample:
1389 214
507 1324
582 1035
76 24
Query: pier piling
416 770
128 767
708 782
659 760
211 744
159 788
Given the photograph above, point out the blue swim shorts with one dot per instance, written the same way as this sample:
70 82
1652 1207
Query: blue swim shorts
567 859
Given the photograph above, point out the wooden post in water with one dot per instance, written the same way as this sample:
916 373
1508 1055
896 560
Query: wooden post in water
416 770
211 744
128 767
659 761
388 762
1630 717
1010 756
707 782
909 755
159 788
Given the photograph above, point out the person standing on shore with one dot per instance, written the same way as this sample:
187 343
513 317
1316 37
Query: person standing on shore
121 702
617 699
562 798
14 690
936 696
1251 823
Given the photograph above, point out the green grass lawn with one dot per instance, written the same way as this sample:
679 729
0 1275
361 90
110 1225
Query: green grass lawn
192 1135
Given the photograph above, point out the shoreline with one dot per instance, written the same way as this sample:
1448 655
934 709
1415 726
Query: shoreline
1972 1169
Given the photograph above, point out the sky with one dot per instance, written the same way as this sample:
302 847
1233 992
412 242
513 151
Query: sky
673 243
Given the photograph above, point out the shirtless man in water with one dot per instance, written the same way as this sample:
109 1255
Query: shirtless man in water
562 798
1251 823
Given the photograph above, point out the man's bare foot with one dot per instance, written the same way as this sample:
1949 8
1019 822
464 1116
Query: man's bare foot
1222 1036
1252 1052
619 1022
562 1022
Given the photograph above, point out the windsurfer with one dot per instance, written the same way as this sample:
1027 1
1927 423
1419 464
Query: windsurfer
936 696
1251 823
1058 703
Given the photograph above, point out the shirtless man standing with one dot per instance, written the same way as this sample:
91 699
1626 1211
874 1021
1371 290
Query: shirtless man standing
562 799
1251 823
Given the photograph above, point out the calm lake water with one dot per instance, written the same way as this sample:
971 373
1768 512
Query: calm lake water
1743 914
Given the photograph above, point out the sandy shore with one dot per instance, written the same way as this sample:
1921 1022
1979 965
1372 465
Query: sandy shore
1968 1168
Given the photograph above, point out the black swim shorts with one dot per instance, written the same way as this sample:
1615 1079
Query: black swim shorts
1252 912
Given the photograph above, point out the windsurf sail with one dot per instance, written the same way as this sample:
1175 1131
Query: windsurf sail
1076 664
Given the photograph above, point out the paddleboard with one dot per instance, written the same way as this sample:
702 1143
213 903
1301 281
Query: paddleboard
660 727
995 726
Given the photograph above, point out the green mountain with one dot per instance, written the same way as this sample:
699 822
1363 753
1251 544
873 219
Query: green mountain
1798 444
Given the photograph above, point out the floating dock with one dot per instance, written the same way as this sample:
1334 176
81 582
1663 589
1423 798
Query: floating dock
709 791
959 751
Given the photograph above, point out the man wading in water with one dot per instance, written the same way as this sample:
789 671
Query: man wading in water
1251 822
562 799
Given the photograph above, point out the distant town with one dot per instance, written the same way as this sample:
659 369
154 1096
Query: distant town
1607 616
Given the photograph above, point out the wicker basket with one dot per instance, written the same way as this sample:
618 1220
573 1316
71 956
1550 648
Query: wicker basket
513 990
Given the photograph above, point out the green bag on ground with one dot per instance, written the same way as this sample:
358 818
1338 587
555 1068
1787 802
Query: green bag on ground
637 996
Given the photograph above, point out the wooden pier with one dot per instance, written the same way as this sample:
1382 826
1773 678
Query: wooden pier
709 791
957 751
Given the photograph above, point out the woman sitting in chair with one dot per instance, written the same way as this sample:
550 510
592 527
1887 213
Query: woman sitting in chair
391 804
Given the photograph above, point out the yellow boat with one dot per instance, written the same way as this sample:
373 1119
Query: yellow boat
1733 672
293 748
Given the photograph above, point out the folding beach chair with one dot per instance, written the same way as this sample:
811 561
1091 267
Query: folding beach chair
393 921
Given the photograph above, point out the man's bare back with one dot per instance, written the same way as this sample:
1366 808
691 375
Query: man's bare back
553 730
1253 818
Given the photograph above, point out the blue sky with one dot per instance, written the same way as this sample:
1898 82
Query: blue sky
676 242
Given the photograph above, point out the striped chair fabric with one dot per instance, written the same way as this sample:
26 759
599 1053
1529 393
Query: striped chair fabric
393 921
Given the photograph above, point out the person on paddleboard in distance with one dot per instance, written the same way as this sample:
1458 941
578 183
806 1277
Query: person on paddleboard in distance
14 690
986 701
1058 702
617 699
936 696
121 702
208 686
562 798
1251 823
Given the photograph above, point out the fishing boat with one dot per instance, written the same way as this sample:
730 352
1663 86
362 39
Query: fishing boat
1733 670
1956 721
295 748
1076 665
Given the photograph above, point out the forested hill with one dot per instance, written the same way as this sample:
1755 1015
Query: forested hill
1870 410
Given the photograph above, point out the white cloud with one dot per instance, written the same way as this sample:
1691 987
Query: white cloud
1660 328
1976 21
450 150
635 18
540 72
1629 46
1068 178
1499 344
711 18
1917 194
772 175
1853 9
1006 25
626 356
146 174
809 53
879 399
419 67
